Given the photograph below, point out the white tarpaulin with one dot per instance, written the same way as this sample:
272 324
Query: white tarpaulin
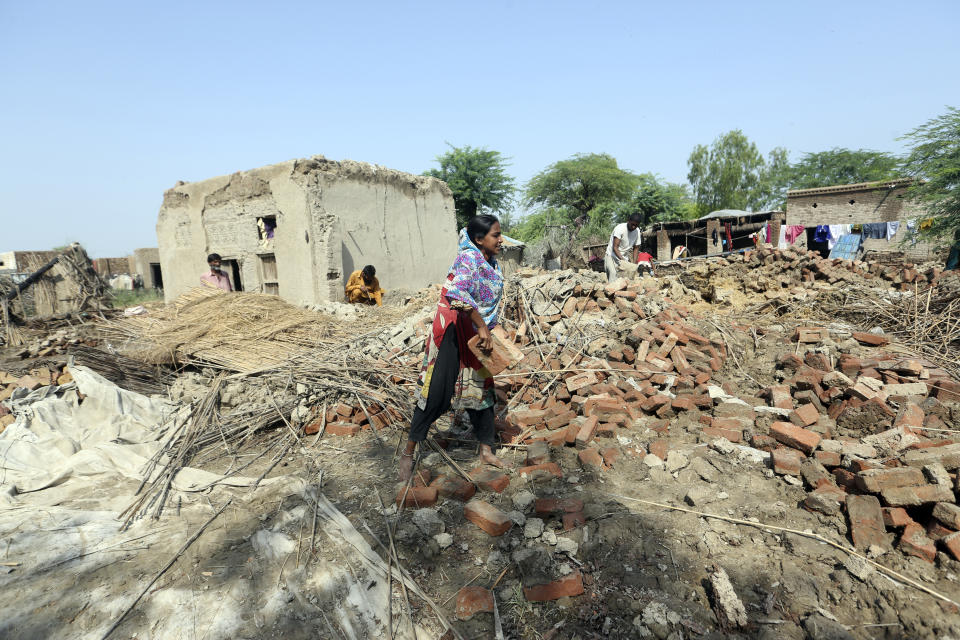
67 571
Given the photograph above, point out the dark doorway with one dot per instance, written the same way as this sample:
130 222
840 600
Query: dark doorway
156 277
232 269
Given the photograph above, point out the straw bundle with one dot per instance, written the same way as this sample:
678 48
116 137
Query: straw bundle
240 332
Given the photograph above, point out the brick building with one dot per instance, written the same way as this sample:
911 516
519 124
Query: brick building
863 203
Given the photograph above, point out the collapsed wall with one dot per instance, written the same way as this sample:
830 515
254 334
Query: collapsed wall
299 228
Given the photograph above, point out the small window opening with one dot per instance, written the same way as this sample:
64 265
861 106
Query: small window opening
814 205
267 226
852 201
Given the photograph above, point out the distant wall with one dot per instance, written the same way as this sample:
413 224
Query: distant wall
107 267
861 204
330 219
141 259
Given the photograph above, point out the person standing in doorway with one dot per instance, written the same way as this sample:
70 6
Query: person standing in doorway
469 306
215 277
624 238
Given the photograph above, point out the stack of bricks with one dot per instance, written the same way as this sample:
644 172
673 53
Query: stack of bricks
664 368
36 378
898 483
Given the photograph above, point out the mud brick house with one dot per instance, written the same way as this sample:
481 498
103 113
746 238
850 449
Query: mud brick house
297 229
146 263
859 204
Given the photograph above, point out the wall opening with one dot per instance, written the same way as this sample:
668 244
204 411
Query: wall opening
156 276
852 201
268 274
267 227
232 269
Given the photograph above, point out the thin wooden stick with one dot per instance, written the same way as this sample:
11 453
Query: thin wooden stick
169 564
814 536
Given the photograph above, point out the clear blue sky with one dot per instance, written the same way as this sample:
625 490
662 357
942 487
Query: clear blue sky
106 105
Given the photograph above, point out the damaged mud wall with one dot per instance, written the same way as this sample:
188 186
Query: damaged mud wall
299 228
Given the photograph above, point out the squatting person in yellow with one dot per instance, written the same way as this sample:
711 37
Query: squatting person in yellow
364 288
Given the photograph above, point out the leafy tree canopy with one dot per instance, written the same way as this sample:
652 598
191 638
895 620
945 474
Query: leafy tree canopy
840 166
580 184
478 180
733 174
935 160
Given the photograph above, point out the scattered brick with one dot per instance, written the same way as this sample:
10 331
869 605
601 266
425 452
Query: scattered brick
870 339
553 506
915 496
541 470
473 600
786 461
454 487
866 522
948 514
896 517
914 542
876 480
490 480
952 544
567 586
804 415
590 459
794 436
486 516
417 497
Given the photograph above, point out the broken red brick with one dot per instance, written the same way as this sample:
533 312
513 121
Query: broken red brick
567 586
490 480
547 468
952 544
827 458
915 496
486 516
417 497
573 520
914 542
717 432
804 415
610 456
659 448
455 487
587 431
870 339
473 600
786 461
794 436
552 506
896 517
876 480
590 459
866 522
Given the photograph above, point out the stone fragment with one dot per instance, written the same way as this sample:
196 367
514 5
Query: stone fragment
820 627
948 456
533 528
676 461
523 499
443 540
428 521
786 461
699 495
729 607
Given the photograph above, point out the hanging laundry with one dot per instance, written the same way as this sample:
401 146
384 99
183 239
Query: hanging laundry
875 230
892 228
836 231
911 224
782 240
793 232
821 233
926 224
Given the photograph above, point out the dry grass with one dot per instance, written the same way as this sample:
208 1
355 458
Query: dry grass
241 332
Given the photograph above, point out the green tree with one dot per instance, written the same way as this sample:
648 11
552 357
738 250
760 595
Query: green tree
478 179
733 174
579 184
934 160
656 201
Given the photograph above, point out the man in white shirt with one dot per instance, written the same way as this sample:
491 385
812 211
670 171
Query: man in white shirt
624 238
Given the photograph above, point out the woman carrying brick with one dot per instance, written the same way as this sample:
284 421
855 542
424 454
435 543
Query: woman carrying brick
469 305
